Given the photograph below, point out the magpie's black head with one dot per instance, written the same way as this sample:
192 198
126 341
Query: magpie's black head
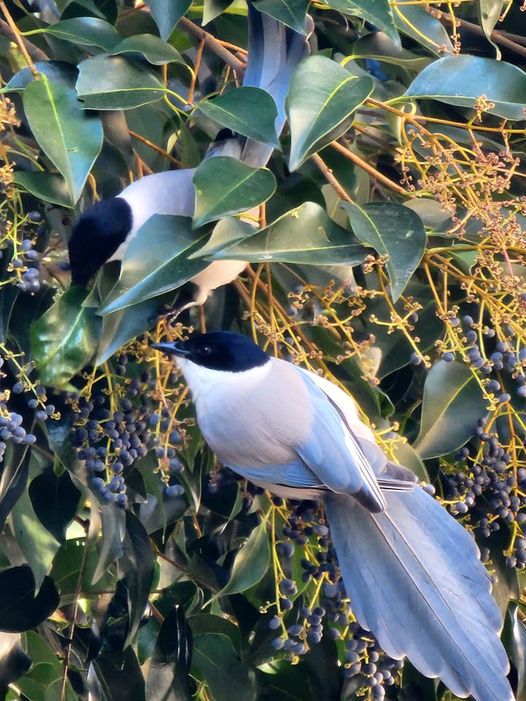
96 236
218 350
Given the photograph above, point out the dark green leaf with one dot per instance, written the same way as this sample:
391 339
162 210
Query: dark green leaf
116 83
460 80
90 31
245 110
37 544
216 662
13 477
170 663
20 607
416 22
70 137
214 8
251 562
113 532
292 13
58 72
453 403
117 676
13 660
489 13
377 12
226 232
153 49
320 105
303 235
167 13
155 262
64 338
55 500
393 231
137 564
226 186
49 187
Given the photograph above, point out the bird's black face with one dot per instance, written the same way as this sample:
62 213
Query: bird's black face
218 350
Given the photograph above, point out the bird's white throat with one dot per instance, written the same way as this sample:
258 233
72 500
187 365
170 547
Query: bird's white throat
206 381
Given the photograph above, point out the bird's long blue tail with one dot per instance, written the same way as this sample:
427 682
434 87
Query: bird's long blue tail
415 580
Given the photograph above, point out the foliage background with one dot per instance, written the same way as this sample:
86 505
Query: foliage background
131 565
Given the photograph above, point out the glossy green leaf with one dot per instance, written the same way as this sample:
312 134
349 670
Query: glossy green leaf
320 105
49 187
155 262
69 136
380 47
226 186
214 8
167 13
170 662
64 339
377 12
453 403
115 83
35 541
460 80
226 232
489 13
245 110
154 50
90 31
216 661
393 231
291 13
57 72
416 22
251 562
303 235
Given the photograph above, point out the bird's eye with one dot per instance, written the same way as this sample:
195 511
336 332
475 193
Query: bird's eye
206 350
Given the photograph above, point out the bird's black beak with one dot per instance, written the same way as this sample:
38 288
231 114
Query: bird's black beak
172 349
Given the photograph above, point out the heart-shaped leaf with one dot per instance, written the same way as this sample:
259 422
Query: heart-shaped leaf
453 403
245 110
156 261
64 339
116 83
460 80
167 13
69 136
20 607
90 31
320 105
292 13
394 231
153 49
303 235
226 186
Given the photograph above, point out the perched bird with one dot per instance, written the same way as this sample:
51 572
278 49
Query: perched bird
412 572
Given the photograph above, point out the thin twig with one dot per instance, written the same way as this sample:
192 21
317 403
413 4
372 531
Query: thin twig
211 43
329 177
154 147
197 66
17 38
347 153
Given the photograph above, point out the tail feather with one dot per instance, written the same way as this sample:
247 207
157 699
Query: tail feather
415 580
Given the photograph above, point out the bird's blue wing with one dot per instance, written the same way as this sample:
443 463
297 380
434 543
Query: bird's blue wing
334 454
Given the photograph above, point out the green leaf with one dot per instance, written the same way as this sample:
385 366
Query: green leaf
303 235
170 662
21 608
69 136
245 110
57 72
216 662
489 13
517 648
453 403
320 105
154 50
422 27
155 262
214 8
55 500
167 13
460 80
37 543
113 532
226 232
291 13
117 675
49 187
64 339
90 31
393 231
377 12
226 186
251 562
116 83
